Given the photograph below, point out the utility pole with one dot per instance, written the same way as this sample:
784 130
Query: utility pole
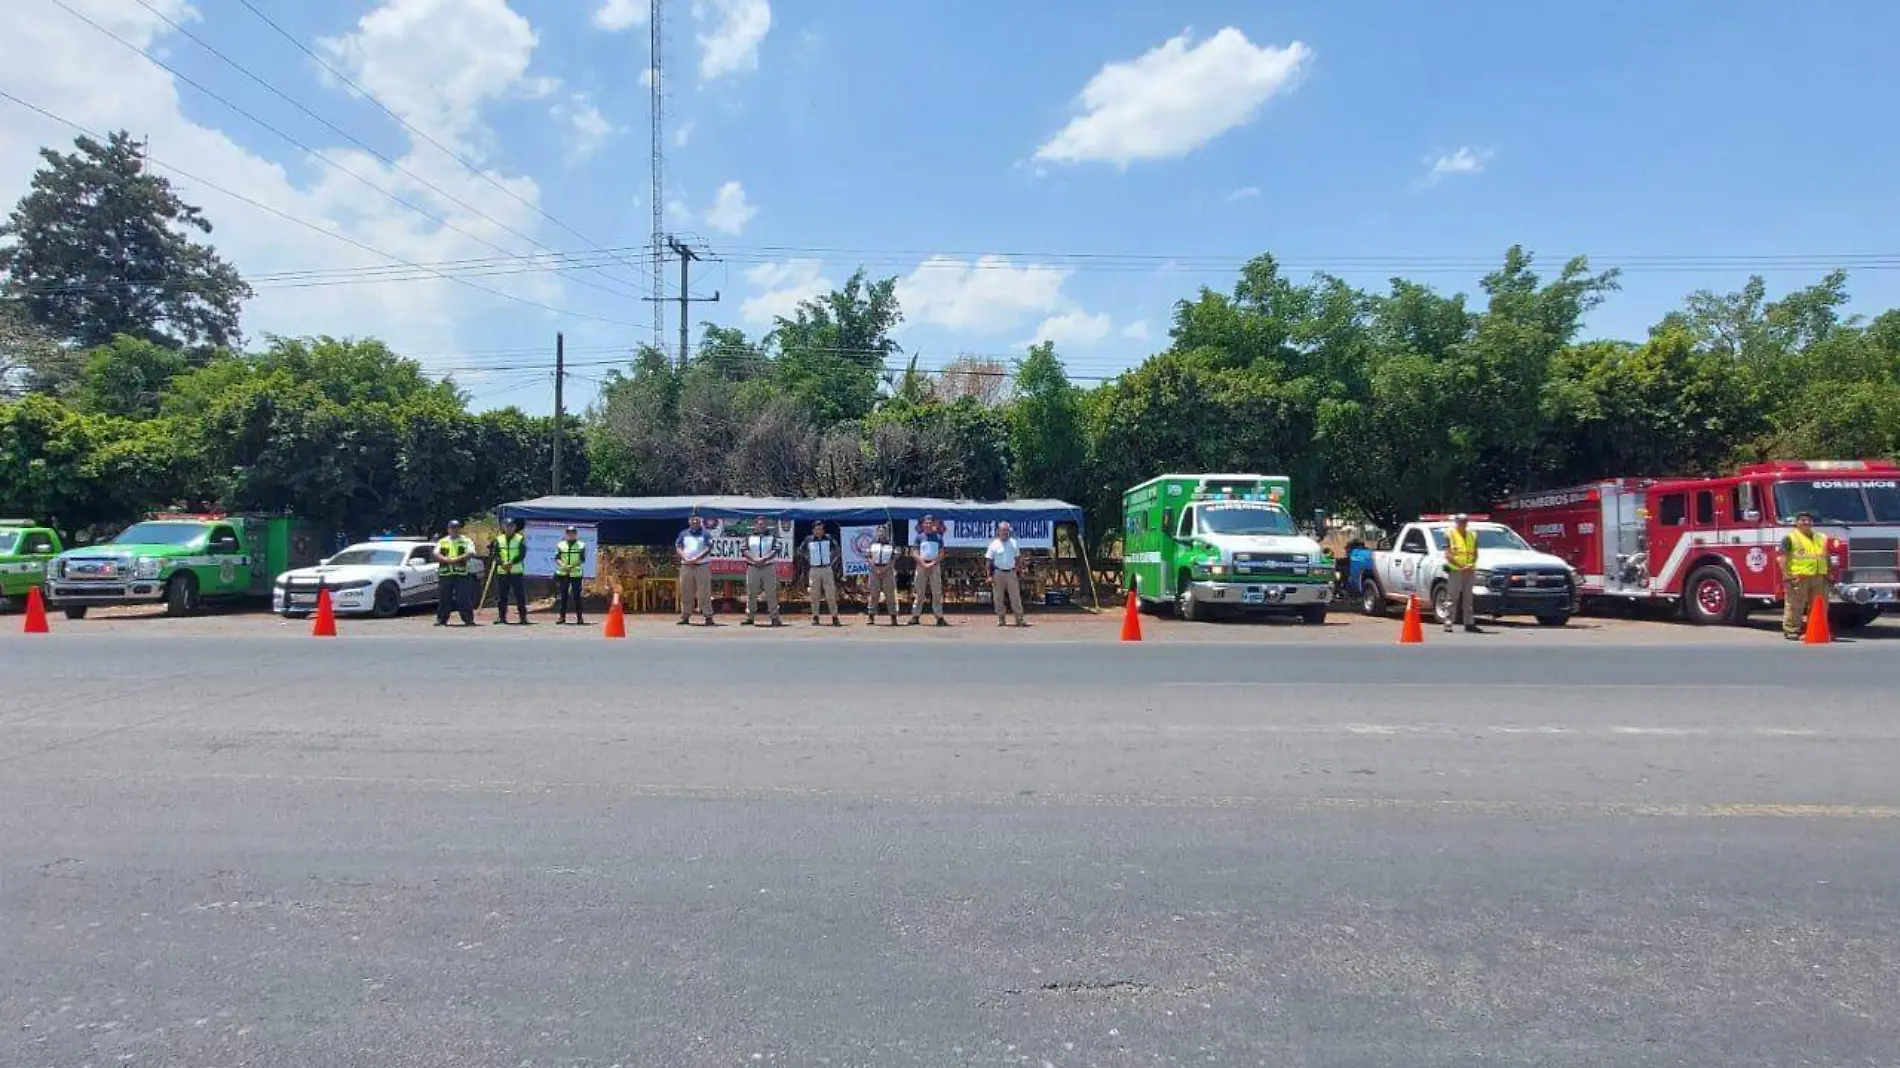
687 257
560 378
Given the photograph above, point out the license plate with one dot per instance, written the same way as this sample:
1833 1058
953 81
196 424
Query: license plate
302 602
1253 596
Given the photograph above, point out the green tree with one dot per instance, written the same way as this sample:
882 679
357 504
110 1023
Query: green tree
127 377
1046 436
832 350
101 247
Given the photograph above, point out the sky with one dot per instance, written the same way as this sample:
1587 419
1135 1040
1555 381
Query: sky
466 178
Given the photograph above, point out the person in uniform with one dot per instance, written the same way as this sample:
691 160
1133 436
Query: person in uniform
761 571
510 556
1006 587
1804 564
694 547
882 581
818 555
453 552
570 563
1461 572
928 579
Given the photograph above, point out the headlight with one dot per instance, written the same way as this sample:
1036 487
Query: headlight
353 584
146 567
1217 569
1487 578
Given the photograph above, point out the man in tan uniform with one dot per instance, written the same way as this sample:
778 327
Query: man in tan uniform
694 547
881 583
927 581
761 572
1006 587
818 555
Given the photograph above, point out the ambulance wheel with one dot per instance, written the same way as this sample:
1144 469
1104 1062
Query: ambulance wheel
1314 614
388 601
1713 599
1189 607
77 611
1372 598
181 595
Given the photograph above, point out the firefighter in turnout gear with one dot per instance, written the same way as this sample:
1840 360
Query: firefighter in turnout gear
1461 572
1804 564
570 563
453 580
510 556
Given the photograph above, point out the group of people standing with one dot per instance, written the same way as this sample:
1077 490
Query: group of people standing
820 560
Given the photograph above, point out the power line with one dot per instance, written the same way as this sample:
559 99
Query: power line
319 156
287 217
407 125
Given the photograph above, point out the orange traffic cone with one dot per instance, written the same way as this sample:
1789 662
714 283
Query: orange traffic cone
1818 632
36 612
616 625
1411 632
1131 619
323 625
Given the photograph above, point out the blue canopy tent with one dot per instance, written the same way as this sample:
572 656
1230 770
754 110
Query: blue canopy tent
656 520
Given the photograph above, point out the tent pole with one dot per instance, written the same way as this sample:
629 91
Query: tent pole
1088 573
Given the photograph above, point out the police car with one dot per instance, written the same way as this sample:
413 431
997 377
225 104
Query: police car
380 577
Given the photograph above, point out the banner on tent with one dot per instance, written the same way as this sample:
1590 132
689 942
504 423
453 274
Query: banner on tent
978 533
540 546
729 538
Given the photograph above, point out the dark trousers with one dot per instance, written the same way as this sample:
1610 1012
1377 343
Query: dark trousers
566 588
455 594
515 586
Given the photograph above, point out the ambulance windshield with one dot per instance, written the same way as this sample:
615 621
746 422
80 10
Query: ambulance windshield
1245 518
1839 500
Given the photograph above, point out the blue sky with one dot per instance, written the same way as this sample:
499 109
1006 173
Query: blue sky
1065 169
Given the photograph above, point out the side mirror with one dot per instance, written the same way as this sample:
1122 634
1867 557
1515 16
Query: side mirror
325 562
1753 515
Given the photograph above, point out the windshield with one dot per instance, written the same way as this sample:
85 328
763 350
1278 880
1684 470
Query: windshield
8 539
1244 519
1839 500
160 534
378 557
1489 537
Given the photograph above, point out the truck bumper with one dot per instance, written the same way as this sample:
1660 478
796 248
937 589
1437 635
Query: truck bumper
1523 602
1883 595
302 602
1265 595
72 594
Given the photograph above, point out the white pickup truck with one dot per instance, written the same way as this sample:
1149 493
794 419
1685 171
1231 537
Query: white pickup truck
1512 579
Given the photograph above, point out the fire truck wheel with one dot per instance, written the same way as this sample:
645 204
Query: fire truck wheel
1713 598
1852 616
1372 597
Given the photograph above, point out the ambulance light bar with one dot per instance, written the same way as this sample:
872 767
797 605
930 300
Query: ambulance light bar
17 523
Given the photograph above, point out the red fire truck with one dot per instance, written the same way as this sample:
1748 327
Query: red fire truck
1711 545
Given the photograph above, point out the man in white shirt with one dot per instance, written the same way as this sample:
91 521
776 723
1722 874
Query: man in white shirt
882 581
694 547
1003 556
927 582
818 554
761 571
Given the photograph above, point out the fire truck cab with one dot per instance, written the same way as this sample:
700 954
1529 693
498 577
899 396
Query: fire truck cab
1712 545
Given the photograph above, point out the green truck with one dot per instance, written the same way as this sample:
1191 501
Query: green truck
183 561
25 549
1198 544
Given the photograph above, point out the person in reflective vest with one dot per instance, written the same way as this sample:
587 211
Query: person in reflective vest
761 571
818 555
881 582
510 552
1461 572
694 547
453 554
927 582
1804 565
570 563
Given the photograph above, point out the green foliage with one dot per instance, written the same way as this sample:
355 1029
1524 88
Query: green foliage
1048 445
100 247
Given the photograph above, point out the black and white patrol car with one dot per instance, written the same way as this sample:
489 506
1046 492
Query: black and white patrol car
380 577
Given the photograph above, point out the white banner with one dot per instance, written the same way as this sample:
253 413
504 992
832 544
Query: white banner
852 544
977 533
729 539
541 539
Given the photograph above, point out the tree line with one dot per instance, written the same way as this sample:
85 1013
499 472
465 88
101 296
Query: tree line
128 388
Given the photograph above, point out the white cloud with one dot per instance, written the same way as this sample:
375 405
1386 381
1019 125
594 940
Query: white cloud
437 63
733 45
684 133
781 287
1465 160
1136 331
617 15
1073 328
64 66
1175 98
587 128
730 212
677 212
986 296
1245 192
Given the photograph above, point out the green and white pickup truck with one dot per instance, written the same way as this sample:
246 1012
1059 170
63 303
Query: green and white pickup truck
183 561
25 549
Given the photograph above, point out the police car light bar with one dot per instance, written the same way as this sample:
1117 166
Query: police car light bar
201 516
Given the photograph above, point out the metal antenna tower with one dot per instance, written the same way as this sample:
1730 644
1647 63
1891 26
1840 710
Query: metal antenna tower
657 86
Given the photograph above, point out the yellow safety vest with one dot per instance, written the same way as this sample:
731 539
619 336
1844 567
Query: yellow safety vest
567 558
1807 554
510 551
455 547
1461 550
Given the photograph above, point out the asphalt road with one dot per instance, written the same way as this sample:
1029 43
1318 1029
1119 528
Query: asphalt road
433 850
